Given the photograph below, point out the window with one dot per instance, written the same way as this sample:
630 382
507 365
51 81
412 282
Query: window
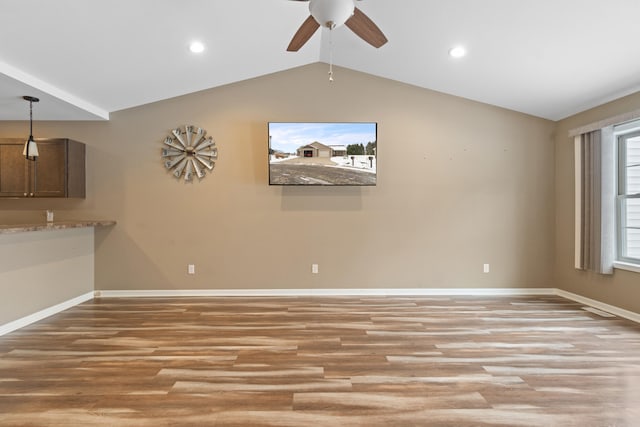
607 195
628 197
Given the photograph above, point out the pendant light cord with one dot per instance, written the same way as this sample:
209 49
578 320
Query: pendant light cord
30 132
30 120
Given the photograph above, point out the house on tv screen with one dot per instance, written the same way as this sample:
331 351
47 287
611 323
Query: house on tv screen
317 149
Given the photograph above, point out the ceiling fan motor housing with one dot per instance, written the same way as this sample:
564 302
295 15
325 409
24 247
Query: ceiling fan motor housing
331 13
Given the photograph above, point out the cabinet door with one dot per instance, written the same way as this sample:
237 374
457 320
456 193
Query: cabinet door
48 177
13 171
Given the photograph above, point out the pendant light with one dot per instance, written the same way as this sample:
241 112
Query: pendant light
30 151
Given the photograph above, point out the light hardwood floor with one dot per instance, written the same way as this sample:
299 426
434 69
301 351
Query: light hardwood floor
344 361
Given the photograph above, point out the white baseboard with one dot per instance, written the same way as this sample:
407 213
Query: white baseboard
620 312
370 292
323 292
42 314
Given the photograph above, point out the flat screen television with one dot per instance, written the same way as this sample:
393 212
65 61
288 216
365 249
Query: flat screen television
314 153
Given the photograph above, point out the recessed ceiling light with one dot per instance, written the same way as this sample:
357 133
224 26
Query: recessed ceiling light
196 47
457 52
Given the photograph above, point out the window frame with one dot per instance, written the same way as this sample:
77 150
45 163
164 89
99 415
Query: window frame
622 260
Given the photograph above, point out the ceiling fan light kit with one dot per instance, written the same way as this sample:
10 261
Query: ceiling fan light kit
332 14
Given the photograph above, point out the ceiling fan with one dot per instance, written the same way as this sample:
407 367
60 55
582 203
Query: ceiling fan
332 14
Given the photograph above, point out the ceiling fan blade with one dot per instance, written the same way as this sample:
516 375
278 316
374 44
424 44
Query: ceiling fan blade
364 27
304 33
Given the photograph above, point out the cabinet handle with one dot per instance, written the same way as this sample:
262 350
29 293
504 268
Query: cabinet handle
31 194
25 194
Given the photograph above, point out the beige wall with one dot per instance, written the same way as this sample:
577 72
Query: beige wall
622 289
459 184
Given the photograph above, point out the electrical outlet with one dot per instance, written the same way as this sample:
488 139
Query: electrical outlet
314 268
191 269
486 268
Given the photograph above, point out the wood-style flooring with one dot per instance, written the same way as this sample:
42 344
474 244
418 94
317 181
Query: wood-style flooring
343 361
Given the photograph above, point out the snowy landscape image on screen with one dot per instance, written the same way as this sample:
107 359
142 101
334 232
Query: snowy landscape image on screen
322 153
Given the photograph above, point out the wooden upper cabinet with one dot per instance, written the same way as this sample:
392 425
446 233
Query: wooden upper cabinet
14 174
59 170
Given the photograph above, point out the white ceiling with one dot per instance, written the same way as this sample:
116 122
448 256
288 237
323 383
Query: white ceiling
85 59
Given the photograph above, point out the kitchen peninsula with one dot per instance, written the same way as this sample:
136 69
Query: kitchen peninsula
45 267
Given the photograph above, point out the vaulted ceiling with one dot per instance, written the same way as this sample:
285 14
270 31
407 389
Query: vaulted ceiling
86 59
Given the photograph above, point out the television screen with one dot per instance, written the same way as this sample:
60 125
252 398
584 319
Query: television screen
322 153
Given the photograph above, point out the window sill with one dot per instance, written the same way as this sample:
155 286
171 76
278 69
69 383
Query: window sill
626 266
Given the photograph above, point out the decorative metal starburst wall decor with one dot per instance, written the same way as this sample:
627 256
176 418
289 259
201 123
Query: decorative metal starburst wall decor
189 151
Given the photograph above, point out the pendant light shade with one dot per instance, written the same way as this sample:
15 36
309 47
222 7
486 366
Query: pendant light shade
30 151
331 13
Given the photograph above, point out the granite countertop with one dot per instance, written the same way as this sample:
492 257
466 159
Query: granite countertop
56 225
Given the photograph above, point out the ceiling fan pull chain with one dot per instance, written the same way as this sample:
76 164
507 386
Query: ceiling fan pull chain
330 55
